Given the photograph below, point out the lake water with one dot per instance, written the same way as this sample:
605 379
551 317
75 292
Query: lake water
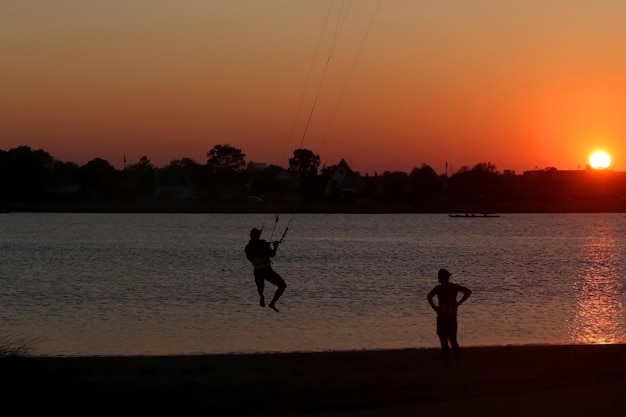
127 284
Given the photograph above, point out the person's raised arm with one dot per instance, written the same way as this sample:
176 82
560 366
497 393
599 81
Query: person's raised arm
273 251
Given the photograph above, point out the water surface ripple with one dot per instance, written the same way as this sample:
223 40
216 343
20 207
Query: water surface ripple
101 284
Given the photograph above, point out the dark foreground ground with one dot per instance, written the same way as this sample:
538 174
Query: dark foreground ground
493 381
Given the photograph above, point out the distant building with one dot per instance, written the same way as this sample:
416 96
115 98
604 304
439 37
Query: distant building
256 166
344 183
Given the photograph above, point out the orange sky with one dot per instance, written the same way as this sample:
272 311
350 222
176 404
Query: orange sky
538 83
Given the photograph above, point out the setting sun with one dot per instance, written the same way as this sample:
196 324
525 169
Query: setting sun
599 160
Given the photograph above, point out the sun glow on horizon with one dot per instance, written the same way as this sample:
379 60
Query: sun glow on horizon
599 160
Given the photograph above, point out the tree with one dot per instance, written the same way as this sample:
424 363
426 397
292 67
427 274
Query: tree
142 177
180 172
475 185
395 186
25 173
98 178
227 176
271 182
425 185
225 158
304 164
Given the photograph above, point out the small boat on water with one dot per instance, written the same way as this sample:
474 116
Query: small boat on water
474 215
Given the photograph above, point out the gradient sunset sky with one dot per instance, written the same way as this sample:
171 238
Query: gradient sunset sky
388 84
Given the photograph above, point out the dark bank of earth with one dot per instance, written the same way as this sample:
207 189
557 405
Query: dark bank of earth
358 383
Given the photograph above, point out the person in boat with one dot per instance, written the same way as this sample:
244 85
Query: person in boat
446 309
259 252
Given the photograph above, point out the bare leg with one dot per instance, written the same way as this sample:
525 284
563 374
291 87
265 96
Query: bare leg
456 350
281 289
260 287
445 349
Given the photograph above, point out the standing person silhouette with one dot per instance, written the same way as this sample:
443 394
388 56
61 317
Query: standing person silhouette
259 252
446 309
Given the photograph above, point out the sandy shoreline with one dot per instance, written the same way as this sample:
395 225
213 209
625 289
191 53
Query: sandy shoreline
503 381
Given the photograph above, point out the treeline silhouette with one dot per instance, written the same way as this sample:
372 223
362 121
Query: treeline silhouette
33 180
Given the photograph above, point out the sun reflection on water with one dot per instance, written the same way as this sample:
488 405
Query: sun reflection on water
597 319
